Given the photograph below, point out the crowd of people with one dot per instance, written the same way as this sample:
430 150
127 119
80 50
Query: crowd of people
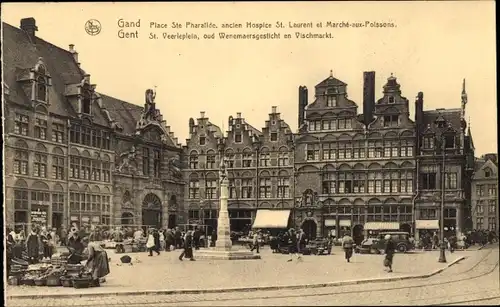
464 240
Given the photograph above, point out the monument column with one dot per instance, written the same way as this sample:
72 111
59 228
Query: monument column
223 227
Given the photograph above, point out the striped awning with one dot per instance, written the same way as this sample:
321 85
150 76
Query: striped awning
427 224
382 226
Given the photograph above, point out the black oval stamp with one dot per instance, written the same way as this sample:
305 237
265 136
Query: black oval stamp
93 27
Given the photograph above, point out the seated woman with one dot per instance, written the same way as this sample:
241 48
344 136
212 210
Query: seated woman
97 261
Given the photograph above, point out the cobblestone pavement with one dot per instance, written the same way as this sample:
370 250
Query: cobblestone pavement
473 281
167 272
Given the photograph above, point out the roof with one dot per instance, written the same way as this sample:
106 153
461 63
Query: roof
451 116
21 52
330 81
215 129
125 114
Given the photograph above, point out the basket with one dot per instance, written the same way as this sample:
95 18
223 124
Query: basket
13 280
66 281
80 283
40 282
28 282
53 281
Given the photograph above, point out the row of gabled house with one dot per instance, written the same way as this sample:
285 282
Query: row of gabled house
74 155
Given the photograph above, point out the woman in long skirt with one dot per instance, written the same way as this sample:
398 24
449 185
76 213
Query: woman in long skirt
97 262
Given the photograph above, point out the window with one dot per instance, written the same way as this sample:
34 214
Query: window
314 125
265 188
41 89
274 136
57 202
492 207
390 149
331 101
106 204
344 123
230 160
390 213
86 99
428 142
492 224
106 172
58 167
194 188
345 183
21 124
283 187
156 163
193 161
405 213
237 138
74 167
85 168
41 129
359 183
406 148
345 151
265 159
247 159
210 161
441 123
407 182
232 189
391 99
202 140
428 181
450 181
480 190
283 158
40 166
74 134
449 141
479 209
106 140
374 182
326 125
312 152
375 149
428 214
391 182
246 188
194 214
479 223
329 183
96 170
329 151
95 202
374 214
21 162
210 188
358 149
57 133
492 190
391 120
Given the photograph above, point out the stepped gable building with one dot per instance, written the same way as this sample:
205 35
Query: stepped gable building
445 163
74 155
260 170
485 193
353 172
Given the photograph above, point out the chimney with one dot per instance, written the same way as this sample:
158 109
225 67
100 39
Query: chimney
28 25
202 114
274 109
303 102
419 116
238 115
73 52
368 96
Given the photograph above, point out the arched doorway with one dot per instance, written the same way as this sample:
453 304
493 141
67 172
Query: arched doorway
152 211
406 228
127 218
358 235
309 227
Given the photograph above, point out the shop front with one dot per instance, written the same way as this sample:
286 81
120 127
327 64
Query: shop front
240 220
374 228
424 227
337 227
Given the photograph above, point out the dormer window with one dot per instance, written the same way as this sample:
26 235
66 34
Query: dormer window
391 99
429 142
331 101
487 173
41 89
41 82
449 141
86 99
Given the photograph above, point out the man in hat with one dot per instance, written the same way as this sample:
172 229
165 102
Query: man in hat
33 246
347 245
188 247
255 241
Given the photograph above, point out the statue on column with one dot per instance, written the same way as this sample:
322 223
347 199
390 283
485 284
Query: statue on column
223 169
150 106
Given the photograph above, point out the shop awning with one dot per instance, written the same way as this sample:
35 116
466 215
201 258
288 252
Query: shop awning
345 223
271 219
381 226
330 222
427 224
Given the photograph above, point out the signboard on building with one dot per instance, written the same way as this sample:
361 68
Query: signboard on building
39 218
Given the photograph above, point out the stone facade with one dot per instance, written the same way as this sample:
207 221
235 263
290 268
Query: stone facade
485 193
74 155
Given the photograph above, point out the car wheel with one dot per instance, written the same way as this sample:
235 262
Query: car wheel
402 248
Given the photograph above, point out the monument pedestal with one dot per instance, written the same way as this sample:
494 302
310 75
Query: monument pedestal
223 246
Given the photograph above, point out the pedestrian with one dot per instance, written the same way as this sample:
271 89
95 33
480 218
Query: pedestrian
188 247
33 246
178 238
150 243
390 249
169 239
435 241
196 238
255 242
63 235
161 232
347 245
156 236
293 245
45 238
301 241
213 238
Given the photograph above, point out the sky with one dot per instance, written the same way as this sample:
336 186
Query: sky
433 46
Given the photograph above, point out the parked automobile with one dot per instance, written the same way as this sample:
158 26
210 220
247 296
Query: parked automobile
377 245
319 246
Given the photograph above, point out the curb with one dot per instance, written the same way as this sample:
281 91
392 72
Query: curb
228 290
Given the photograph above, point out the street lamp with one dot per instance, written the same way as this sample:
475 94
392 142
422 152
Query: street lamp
442 254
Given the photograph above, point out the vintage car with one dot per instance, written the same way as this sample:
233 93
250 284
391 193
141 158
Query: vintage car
377 245
318 246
